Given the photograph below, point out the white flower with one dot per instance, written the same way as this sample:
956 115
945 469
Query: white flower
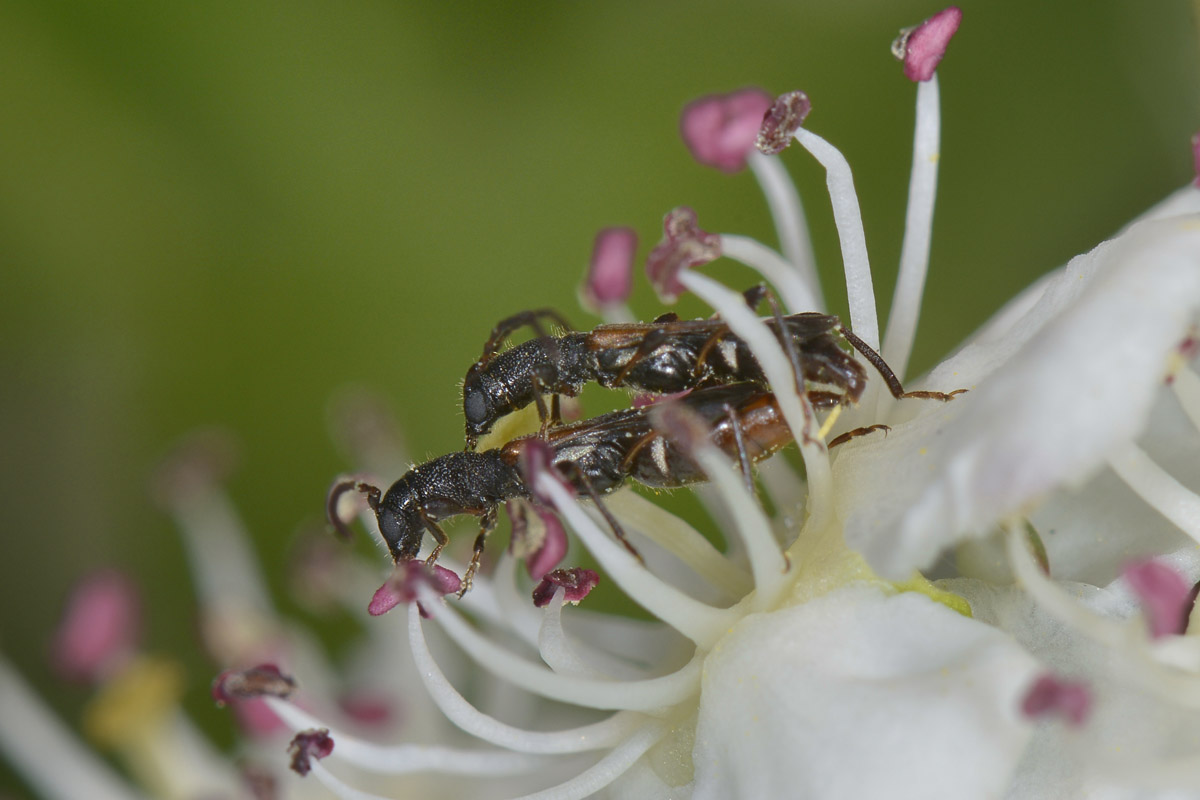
810 658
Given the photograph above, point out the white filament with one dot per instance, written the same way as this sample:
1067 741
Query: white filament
606 770
680 540
641 695
767 563
1157 487
848 218
698 621
567 655
918 230
46 753
399 759
224 568
778 369
791 225
597 736
754 254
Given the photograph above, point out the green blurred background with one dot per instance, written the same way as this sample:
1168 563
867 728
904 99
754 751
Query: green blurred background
223 212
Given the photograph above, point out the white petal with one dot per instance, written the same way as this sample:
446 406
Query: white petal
858 694
1074 380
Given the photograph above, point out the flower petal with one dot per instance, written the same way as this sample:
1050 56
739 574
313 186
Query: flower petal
1074 380
858 694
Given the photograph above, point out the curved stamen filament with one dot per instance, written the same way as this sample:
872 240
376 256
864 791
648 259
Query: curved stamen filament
790 223
1153 484
606 770
570 656
767 563
400 759
783 379
597 736
698 621
772 266
848 217
681 540
1127 640
918 230
642 695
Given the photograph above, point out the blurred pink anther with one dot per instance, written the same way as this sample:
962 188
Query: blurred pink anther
781 122
1050 695
537 536
577 583
307 745
684 245
537 459
403 584
265 680
610 272
100 627
1165 596
1196 156
720 129
922 46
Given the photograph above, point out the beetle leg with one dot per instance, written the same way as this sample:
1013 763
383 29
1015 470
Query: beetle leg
594 496
857 432
889 377
743 456
438 534
509 325
487 523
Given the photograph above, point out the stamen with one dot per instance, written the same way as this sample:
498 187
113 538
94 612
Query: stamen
797 296
401 759
643 695
681 540
783 379
701 623
767 563
1052 597
560 654
847 216
1153 484
719 129
1129 641
918 230
609 280
1164 595
46 753
597 736
791 225
307 745
922 46
100 628
1050 694
606 770
576 583
510 606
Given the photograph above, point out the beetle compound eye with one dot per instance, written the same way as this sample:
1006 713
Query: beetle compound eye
475 407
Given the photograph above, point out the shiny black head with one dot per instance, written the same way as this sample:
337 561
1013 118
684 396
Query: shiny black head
478 407
399 517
